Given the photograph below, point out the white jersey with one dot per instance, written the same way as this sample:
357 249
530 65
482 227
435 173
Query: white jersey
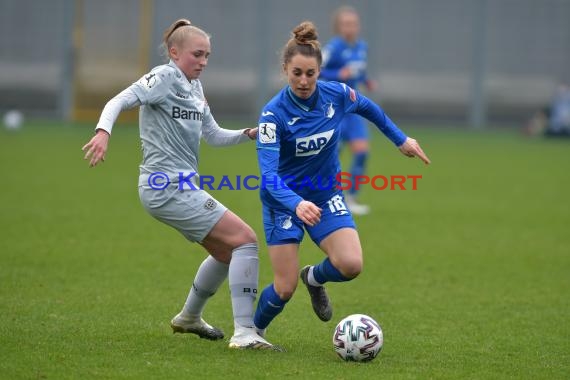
171 117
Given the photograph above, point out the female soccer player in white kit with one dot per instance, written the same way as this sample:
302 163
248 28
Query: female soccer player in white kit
173 116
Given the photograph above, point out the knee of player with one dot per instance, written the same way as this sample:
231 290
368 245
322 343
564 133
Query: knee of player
351 268
286 290
248 235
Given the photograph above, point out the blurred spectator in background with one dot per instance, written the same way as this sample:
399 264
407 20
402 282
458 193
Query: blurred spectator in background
344 60
559 118
554 119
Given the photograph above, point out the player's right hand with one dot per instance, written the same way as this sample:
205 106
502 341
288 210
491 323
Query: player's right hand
96 147
308 212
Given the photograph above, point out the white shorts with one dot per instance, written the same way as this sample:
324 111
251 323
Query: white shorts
192 212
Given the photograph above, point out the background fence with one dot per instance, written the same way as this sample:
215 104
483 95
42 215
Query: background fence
475 61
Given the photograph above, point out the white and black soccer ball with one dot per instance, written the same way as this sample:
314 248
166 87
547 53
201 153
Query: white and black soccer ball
358 338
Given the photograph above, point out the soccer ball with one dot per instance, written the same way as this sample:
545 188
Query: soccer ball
13 120
358 338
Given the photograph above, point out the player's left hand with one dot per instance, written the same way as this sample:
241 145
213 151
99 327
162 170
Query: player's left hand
411 148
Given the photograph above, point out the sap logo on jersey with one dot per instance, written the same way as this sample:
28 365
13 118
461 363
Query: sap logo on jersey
311 145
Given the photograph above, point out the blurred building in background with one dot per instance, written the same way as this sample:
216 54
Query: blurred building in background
460 61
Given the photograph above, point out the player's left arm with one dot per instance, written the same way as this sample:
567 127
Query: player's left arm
218 136
360 104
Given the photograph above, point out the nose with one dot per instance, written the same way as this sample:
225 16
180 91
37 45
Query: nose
204 62
303 80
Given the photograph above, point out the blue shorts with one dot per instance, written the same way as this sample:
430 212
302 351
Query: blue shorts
353 127
282 226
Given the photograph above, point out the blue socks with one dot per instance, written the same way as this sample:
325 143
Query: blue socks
358 167
325 272
268 307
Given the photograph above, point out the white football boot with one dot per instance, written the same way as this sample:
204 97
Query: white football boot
248 338
195 325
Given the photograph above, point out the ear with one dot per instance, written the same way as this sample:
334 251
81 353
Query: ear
173 53
285 68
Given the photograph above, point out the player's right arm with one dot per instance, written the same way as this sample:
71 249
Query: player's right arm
147 90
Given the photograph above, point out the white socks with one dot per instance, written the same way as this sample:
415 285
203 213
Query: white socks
242 273
311 277
209 277
243 279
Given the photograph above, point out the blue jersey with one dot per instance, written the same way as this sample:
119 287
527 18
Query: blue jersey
297 142
337 54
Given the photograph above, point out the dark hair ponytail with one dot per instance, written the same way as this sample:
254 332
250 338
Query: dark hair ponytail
304 40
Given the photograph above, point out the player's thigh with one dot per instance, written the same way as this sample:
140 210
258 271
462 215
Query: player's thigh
227 234
285 263
344 251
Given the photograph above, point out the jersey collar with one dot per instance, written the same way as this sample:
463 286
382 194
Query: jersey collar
179 74
304 104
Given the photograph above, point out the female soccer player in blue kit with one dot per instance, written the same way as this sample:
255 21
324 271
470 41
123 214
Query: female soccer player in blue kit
297 143
344 60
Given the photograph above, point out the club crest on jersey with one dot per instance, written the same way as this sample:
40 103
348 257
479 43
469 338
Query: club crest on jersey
267 132
311 145
329 110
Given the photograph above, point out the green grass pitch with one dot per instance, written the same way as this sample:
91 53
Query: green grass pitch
469 275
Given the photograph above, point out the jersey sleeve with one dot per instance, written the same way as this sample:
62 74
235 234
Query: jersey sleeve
268 148
125 100
214 135
152 88
355 102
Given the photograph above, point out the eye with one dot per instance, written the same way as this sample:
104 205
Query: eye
310 73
